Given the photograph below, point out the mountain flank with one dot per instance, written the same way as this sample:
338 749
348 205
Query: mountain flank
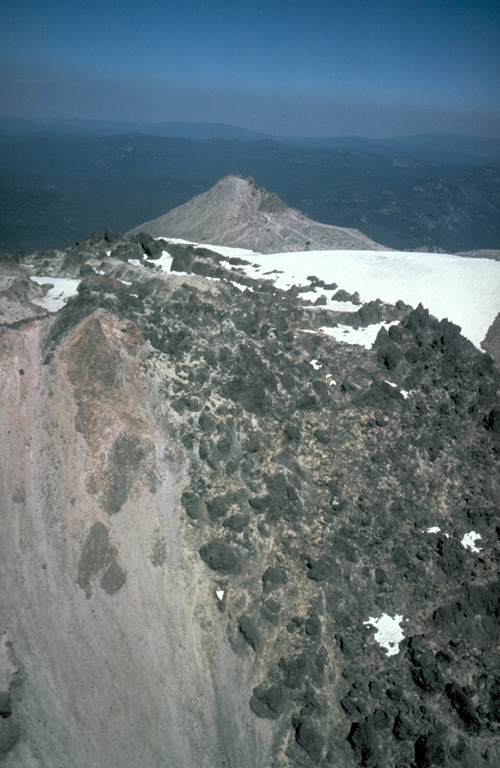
238 213
231 540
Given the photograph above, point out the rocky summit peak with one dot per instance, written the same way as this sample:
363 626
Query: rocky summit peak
245 523
239 213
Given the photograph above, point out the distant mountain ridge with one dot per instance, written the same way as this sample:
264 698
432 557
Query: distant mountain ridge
433 147
238 213
54 189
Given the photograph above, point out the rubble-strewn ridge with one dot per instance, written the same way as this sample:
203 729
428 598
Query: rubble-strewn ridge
320 485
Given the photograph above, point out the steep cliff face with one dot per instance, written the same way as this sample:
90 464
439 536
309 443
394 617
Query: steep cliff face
229 539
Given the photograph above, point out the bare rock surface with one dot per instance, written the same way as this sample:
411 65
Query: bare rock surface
229 539
491 342
236 212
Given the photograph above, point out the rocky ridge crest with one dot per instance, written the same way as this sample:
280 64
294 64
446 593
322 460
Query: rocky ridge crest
201 480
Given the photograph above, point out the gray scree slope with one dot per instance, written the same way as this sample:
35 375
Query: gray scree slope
238 213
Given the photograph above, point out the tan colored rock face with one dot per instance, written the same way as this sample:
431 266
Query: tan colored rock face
101 362
109 608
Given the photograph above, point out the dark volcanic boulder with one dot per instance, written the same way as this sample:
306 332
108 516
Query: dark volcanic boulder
221 556
268 701
309 738
151 247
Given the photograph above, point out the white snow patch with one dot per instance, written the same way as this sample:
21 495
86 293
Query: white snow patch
315 364
241 287
389 634
219 593
335 306
406 394
469 540
437 529
164 262
343 306
178 240
308 295
55 298
135 262
365 337
124 282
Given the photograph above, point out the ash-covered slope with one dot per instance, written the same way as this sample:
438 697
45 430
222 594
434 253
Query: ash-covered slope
236 212
209 504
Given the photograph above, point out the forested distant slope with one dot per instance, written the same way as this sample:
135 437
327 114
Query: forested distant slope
55 188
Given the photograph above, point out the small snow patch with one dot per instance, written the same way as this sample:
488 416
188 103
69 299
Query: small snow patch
55 298
315 364
342 306
164 262
365 337
219 593
406 394
437 529
469 540
389 634
241 287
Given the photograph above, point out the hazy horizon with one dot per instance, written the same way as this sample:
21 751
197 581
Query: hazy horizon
377 69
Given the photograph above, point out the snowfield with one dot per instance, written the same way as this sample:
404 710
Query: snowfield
466 291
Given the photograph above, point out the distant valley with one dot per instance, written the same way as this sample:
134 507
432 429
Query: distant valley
55 188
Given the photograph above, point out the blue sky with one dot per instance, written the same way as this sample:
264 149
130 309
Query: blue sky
317 68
